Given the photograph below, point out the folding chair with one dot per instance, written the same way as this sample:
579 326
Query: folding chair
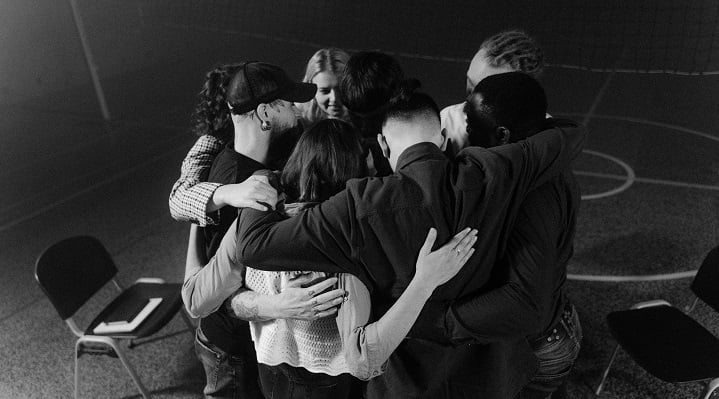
71 271
667 342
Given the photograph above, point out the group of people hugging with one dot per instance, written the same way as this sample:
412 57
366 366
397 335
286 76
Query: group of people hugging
351 240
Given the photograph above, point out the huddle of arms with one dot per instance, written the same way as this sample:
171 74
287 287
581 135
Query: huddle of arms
368 346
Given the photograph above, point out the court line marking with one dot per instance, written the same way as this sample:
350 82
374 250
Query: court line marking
636 278
597 99
629 178
649 122
649 181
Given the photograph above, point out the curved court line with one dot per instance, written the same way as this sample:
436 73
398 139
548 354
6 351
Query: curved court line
648 277
629 178
624 279
648 122
650 181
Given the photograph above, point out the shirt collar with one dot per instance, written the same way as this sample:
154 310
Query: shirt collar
418 152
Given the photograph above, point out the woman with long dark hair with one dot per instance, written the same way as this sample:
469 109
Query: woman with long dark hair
322 358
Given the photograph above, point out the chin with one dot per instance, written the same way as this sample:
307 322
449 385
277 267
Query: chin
334 113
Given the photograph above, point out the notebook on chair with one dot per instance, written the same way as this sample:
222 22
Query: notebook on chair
128 318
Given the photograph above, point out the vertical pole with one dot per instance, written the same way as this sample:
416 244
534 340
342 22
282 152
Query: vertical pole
90 60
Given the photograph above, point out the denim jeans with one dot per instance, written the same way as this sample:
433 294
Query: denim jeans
228 376
556 357
287 382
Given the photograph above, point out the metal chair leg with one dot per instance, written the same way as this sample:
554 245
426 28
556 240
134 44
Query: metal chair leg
709 389
120 354
77 361
130 369
606 371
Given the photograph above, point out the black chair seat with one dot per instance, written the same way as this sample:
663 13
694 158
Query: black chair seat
667 343
171 303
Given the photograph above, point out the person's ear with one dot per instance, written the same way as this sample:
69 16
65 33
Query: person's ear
503 135
443 146
263 111
383 145
263 115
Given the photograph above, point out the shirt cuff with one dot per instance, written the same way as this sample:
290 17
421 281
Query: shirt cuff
204 192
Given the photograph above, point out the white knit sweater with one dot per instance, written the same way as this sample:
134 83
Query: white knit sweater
313 345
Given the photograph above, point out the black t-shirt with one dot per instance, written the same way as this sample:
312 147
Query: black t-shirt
230 334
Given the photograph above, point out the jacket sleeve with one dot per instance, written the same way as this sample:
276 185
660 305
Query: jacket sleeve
322 238
191 193
527 164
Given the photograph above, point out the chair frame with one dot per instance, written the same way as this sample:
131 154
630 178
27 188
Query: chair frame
709 387
65 252
114 343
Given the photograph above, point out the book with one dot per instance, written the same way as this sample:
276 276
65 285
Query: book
120 326
127 311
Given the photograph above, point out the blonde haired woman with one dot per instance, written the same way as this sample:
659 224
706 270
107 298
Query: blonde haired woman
325 69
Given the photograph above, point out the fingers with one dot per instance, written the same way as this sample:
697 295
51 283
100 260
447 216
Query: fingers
466 242
328 312
429 241
328 299
300 280
321 286
255 192
458 238
257 205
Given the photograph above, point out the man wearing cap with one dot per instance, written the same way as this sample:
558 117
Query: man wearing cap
261 99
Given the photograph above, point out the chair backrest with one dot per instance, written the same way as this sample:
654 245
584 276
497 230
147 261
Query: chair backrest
706 282
71 271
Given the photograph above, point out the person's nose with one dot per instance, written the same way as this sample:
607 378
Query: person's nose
333 96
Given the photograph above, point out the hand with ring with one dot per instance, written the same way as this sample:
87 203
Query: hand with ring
437 267
308 303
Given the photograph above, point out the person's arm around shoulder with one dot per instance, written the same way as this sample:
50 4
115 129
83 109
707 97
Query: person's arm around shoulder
531 162
368 346
191 192
206 287
549 152
193 199
322 238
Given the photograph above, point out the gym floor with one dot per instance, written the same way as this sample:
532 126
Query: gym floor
649 178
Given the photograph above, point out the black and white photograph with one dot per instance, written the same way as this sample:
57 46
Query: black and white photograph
283 199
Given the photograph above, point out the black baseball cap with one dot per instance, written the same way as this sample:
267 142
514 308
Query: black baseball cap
259 82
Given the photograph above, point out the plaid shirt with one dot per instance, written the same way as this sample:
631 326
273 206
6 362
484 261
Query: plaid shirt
191 192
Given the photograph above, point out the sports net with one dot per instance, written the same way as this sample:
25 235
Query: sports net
639 36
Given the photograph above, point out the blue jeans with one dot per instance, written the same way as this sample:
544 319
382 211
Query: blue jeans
556 353
287 382
228 376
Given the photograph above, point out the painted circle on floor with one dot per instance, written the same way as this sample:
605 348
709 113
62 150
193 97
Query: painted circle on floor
629 172
630 179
